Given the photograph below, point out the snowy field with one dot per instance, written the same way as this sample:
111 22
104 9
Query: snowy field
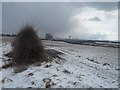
80 67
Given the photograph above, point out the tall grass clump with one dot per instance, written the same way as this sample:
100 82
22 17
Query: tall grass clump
27 47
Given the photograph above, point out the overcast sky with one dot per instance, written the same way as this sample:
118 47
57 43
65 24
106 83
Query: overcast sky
86 20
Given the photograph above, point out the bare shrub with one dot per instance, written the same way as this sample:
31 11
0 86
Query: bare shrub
27 47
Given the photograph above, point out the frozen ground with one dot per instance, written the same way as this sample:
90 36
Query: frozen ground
81 67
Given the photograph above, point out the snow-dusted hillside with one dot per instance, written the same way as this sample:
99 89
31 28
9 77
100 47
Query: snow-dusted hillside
80 67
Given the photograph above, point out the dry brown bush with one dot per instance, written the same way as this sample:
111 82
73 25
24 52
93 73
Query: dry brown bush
27 47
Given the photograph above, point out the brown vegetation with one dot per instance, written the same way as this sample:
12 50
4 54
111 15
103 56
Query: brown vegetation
27 47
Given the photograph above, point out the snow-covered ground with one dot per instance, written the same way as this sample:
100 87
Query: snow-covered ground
81 67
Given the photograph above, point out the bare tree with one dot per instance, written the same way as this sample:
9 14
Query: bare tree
69 36
48 36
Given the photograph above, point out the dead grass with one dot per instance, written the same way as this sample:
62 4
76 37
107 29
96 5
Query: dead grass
50 55
9 64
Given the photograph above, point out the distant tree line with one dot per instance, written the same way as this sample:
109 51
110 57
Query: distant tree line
9 35
48 36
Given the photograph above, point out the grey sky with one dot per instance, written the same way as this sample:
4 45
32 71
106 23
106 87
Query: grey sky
0 17
51 17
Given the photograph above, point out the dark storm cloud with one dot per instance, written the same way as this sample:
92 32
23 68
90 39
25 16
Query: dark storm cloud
107 6
95 19
47 17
